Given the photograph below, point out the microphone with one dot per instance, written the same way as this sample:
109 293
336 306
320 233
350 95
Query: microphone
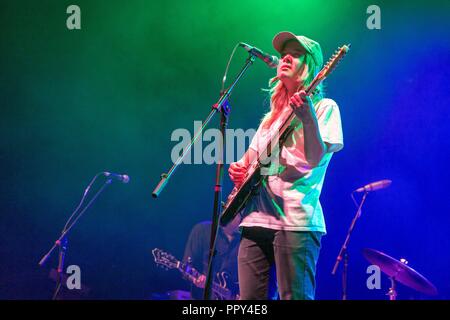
270 60
375 186
121 177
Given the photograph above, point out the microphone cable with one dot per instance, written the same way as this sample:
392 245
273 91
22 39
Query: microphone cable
86 191
224 79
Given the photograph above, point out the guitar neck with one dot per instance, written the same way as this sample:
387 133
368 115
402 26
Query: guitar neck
187 271
286 129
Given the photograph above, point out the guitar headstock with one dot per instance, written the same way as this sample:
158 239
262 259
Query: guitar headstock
333 62
165 259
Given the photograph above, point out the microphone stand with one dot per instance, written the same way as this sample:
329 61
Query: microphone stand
62 254
223 107
343 254
62 242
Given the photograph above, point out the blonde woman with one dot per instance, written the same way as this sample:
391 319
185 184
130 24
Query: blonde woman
283 224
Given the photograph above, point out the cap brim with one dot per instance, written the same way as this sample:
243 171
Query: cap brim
279 40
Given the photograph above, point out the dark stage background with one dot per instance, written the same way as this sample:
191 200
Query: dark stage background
107 98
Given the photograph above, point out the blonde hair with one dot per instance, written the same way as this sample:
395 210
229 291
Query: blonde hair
279 96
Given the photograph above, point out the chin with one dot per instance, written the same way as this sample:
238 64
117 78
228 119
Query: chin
283 75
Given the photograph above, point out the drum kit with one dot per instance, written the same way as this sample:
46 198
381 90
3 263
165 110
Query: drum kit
399 271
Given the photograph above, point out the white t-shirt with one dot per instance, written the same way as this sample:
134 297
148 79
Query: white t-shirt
289 197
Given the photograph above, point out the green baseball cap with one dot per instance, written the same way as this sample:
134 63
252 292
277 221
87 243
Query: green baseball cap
311 46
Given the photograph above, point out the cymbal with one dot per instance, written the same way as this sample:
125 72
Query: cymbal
400 272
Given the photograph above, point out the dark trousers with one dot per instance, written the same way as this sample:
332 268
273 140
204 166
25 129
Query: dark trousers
291 254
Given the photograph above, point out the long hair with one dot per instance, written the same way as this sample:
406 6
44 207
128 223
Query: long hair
279 96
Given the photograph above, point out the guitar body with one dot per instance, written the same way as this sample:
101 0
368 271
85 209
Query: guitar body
224 289
239 197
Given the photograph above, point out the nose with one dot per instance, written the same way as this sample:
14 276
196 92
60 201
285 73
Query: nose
287 59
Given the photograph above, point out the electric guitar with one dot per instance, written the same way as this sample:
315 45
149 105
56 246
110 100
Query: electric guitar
219 289
239 196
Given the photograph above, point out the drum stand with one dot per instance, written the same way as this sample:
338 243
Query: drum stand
392 293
